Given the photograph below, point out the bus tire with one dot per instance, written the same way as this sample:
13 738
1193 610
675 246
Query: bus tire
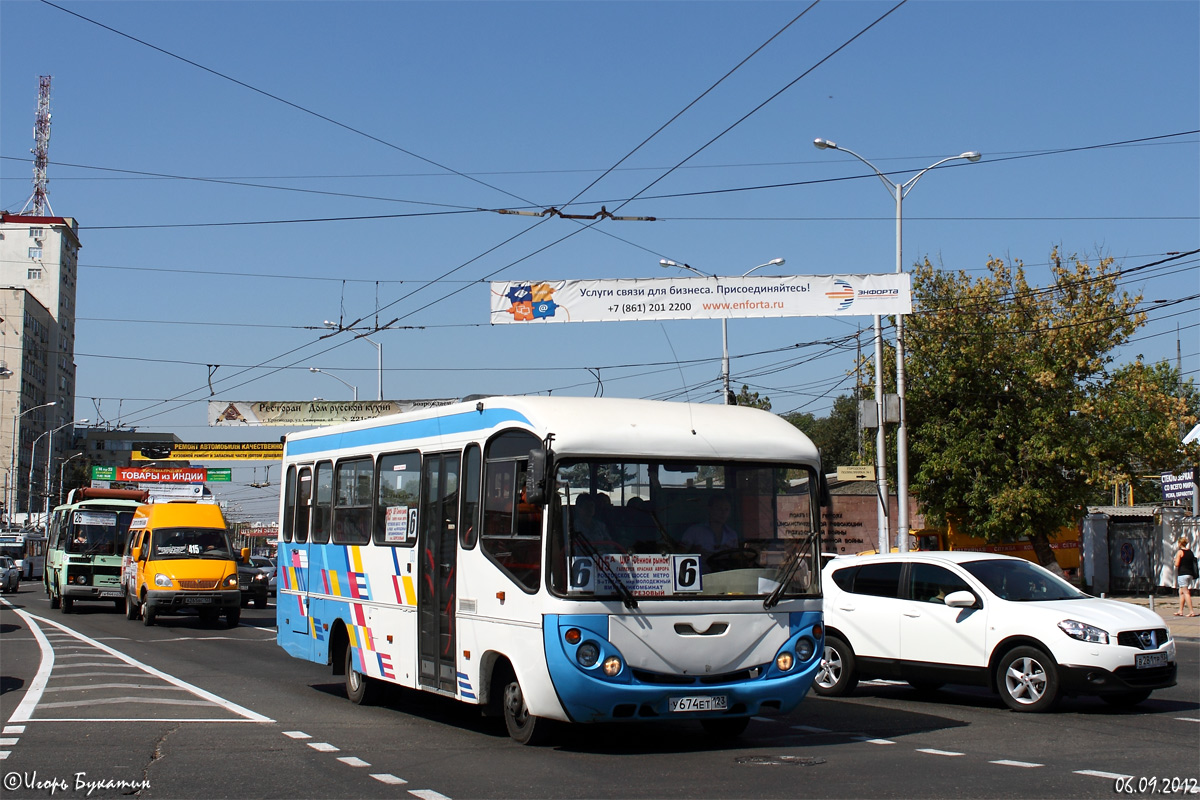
523 727
838 674
147 615
361 689
725 728
54 602
68 605
131 609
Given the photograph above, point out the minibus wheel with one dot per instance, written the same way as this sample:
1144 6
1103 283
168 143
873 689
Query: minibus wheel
131 609
523 727
233 615
68 604
361 689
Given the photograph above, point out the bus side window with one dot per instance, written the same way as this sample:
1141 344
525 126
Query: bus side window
303 504
352 509
469 520
397 493
323 507
289 505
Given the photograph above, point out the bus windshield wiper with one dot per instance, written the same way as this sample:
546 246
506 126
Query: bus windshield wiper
589 549
787 570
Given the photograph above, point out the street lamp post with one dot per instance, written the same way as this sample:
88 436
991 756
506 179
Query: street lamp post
62 475
336 378
50 461
378 349
898 192
14 489
728 395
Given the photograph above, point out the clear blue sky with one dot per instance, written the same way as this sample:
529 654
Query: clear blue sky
433 110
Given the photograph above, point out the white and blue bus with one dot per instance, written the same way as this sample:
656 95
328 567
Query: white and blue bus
569 559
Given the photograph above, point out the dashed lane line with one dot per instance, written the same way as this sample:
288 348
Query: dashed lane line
358 763
1024 764
1097 774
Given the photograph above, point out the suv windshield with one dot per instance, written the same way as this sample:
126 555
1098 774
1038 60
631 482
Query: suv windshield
1021 581
645 529
191 543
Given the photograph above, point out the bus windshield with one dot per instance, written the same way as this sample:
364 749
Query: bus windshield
191 543
646 529
98 533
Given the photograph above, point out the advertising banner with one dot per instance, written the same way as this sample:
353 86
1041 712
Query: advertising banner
151 474
305 414
208 451
1177 487
701 298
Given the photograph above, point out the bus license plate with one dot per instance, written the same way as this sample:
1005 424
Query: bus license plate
1143 660
699 703
195 601
111 594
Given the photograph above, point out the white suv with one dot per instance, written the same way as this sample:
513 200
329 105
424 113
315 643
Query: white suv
933 618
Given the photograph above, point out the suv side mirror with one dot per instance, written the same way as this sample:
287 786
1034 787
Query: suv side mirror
960 599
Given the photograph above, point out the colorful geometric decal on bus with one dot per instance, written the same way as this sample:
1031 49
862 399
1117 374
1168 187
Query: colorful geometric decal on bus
385 665
316 630
464 686
531 301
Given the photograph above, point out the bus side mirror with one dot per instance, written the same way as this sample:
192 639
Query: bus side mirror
825 498
136 553
535 476
245 555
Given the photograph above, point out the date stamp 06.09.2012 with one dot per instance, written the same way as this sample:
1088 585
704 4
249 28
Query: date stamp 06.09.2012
1127 784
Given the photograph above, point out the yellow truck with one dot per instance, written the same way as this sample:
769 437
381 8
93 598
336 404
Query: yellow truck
1064 542
179 557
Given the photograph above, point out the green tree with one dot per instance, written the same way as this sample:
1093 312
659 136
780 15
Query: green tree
835 435
748 398
1015 412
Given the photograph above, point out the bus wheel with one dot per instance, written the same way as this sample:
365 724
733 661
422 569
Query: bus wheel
68 604
147 615
361 689
725 728
522 726
131 609
54 603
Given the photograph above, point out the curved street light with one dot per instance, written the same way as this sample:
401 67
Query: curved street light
14 488
50 464
62 475
728 395
898 191
378 347
336 378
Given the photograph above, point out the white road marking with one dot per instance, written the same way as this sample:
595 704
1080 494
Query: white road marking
933 752
324 747
391 780
37 687
353 761
427 794
868 740
1188 719
297 734
14 729
1097 774
1026 764
8 742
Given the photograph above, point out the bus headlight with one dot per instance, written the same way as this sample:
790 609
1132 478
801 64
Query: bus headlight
588 654
612 665
231 582
785 661
81 579
162 580
805 648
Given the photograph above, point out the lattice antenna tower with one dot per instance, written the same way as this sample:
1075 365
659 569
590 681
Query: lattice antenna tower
41 149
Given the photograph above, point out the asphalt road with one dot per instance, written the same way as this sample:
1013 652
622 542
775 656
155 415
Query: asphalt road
182 710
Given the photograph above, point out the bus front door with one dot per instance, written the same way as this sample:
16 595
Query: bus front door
438 553
293 556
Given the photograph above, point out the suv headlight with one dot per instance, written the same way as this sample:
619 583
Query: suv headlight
1083 632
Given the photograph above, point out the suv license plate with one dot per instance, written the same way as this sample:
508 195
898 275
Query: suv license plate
699 703
197 601
1143 660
